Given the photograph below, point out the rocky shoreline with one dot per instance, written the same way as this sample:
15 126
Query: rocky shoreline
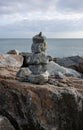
38 92
55 105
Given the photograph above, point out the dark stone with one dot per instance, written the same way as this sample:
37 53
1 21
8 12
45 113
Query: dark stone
74 62
68 61
25 57
38 38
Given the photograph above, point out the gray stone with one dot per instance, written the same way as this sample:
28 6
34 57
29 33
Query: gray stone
53 68
74 62
23 72
38 79
38 47
38 58
59 75
38 38
38 69
70 62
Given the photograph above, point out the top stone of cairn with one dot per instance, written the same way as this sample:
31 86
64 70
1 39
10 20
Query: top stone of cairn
38 38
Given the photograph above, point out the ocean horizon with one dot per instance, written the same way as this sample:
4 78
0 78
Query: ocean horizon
57 47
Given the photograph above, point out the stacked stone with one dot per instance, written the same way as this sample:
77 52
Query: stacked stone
38 61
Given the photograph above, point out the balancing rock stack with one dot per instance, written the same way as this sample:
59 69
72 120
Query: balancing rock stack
38 61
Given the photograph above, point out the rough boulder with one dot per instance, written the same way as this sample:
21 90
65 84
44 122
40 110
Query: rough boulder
42 107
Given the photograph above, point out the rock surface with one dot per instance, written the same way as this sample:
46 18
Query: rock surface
74 62
23 72
9 65
14 52
38 47
5 124
38 69
37 58
8 60
56 105
53 68
8 72
43 107
38 78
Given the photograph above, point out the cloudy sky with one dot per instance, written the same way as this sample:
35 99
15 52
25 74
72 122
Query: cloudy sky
55 18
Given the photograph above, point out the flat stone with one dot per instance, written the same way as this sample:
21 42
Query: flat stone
38 47
38 69
38 79
38 58
23 72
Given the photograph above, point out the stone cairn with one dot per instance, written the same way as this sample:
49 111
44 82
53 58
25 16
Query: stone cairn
38 61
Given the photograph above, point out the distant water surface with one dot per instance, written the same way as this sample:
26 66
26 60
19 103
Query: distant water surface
56 47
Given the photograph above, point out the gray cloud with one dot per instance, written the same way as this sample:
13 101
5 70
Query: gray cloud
51 25
70 5
24 6
43 25
51 17
27 6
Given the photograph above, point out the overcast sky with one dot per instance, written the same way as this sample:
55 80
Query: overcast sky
55 18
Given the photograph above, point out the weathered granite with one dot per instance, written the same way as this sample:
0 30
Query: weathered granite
38 69
5 124
10 60
38 47
74 62
38 78
23 72
55 105
54 69
43 107
69 61
9 65
37 58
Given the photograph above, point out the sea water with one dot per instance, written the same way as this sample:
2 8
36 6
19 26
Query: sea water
55 48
